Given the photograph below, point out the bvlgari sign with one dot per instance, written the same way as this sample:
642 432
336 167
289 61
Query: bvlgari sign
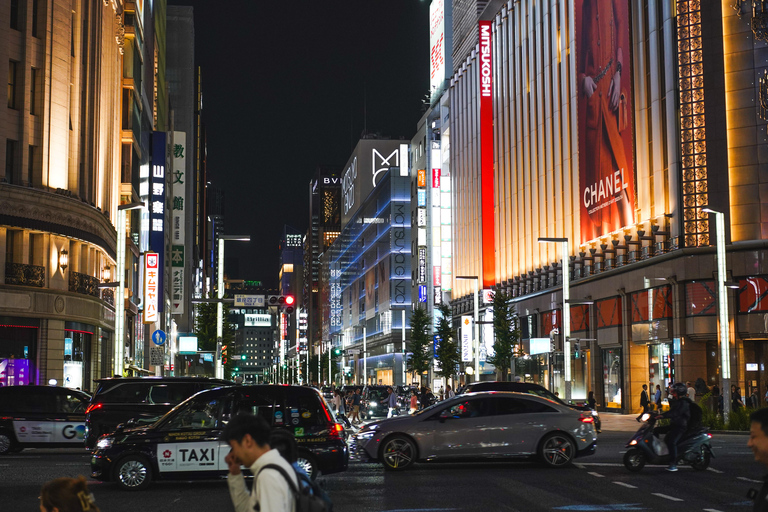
365 169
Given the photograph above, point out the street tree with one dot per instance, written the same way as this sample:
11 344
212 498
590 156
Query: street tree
205 329
418 361
506 332
448 349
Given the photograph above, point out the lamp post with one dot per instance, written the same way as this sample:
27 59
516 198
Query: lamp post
722 311
476 344
119 354
219 368
566 312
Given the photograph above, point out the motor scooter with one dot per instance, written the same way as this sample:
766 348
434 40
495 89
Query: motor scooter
694 448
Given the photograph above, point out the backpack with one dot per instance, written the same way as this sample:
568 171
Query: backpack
696 414
309 497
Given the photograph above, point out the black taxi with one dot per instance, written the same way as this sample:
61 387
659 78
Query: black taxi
184 444
41 416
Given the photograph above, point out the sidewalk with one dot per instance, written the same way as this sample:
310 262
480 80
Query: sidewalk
616 422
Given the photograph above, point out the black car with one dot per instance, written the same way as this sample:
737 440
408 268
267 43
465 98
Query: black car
374 402
526 387
143 399
41 416
185 444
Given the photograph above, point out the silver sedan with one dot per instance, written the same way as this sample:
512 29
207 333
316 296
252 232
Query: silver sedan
490 425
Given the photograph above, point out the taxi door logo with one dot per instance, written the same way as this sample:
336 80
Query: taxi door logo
165 459
197 458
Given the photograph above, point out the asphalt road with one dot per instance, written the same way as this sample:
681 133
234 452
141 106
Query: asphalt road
599 482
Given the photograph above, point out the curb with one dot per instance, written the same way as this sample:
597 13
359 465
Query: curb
730 432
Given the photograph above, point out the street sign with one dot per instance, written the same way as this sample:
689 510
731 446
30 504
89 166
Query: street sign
156 356
158 337
249 301
353 351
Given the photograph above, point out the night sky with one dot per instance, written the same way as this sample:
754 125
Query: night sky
285 88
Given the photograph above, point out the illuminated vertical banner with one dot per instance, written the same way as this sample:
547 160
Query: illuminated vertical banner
436 44
157 208
486 156
178 189
151 287
604 116
466 338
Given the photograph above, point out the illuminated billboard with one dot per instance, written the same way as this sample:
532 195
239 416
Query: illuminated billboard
488 232
604 108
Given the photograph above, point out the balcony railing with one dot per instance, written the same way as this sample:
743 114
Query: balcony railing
108 296
25 275
83 283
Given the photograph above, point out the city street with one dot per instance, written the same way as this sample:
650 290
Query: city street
599 482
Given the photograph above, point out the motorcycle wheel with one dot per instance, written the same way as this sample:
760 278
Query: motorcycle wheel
702 462
634 459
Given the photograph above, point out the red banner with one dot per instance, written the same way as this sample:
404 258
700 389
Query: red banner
486 156
606 167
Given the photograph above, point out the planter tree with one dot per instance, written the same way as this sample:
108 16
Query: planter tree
506 345
448 350
418 361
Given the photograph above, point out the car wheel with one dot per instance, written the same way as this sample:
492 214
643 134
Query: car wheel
397 453
133 473
6 443
557 450
634 459
702 462
307 462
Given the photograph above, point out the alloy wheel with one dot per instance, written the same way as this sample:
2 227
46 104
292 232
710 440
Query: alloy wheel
557 451
398 453
132 474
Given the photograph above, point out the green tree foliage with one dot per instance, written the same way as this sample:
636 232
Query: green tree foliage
448 350
506 332
418 361
205 329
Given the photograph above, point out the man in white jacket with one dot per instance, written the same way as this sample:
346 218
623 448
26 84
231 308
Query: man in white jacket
248 436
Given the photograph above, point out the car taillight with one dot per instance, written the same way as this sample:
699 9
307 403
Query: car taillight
92 407
587 419
337 429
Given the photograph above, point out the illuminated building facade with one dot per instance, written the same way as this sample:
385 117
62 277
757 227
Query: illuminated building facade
620 152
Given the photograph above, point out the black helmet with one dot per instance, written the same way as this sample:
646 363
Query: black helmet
679 389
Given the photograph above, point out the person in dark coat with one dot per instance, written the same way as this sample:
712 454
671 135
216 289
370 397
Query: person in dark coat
680 413
758 443
645 402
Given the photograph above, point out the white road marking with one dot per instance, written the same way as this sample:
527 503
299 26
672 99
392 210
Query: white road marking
578 465
749 479
714 470
666 497
70 464
612 465
712 510
598 475
626 485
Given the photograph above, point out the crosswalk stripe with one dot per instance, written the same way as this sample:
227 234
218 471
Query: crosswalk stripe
626 485
666 496
598 475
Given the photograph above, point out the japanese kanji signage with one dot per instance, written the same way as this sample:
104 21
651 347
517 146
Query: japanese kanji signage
151 287
178 189
157 213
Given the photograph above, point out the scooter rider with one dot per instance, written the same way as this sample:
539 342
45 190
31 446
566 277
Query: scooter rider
680 414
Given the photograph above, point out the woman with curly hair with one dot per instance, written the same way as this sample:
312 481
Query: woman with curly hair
67 495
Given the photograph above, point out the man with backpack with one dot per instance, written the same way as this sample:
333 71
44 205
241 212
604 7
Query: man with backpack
248 436
680 413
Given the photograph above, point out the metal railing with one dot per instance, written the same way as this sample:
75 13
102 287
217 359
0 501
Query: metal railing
83 283
25 275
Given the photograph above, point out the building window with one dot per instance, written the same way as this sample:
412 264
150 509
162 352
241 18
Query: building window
35 18
12 78
15 14
10 161
31 163
33 88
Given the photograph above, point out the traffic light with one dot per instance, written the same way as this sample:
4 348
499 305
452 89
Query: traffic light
286 301
576 348
336 352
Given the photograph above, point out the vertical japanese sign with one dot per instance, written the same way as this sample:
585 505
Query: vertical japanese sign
157 210
436 44
466 338
604 110
486 155
335 296
178 188
151 287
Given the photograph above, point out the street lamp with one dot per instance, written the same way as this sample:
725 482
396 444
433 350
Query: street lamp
219 368
476 344
722 311
566 312
122 219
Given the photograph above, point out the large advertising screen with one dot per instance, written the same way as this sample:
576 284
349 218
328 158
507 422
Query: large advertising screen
604 67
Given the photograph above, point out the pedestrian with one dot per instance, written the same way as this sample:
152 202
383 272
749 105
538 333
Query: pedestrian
414 401
592 403
645 402
691 391
754 399
248 437
356 401
442 394
391 402
758 443
427 398
736 402
67 495
657 397
449 392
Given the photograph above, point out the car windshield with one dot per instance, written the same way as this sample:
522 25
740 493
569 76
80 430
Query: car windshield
376 394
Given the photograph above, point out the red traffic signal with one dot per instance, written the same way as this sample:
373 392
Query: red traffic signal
289 300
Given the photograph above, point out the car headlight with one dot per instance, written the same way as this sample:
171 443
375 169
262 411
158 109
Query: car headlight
371 404
104 443
365 436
